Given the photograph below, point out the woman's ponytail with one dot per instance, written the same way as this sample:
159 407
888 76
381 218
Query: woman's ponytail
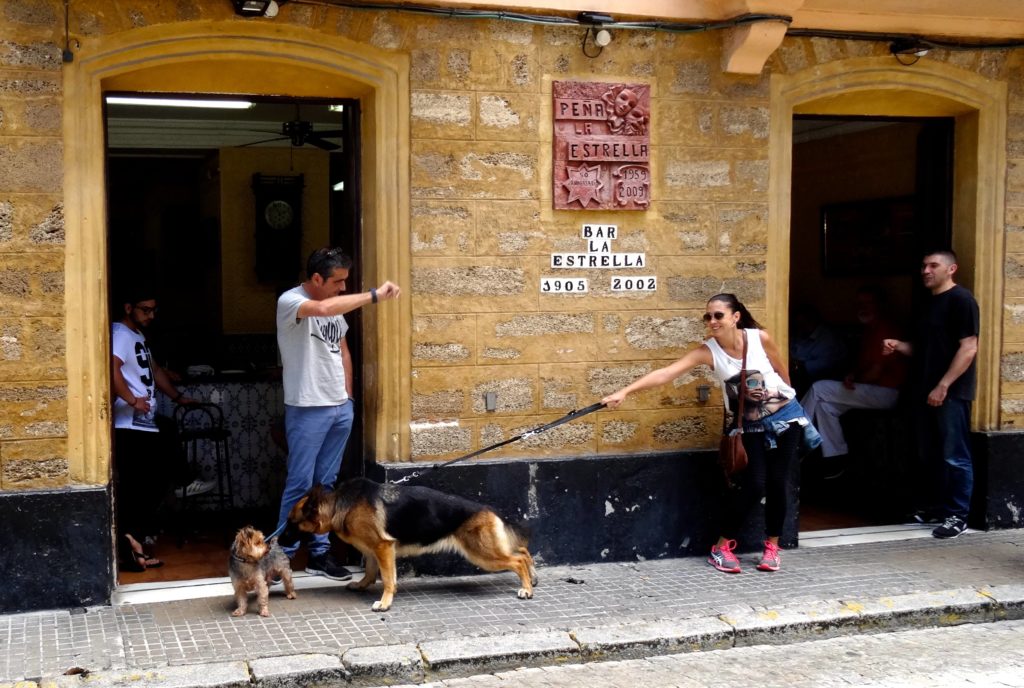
746 321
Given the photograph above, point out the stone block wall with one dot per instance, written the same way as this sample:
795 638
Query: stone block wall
483 230
33 394
482 226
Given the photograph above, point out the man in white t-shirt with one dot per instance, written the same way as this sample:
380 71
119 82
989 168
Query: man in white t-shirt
317 376
143 458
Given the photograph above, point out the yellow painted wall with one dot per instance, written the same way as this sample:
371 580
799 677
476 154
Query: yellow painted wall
249 305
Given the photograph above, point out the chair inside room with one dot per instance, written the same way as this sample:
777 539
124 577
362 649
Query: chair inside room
205 443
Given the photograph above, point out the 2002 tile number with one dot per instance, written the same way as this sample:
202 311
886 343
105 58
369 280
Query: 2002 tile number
634 283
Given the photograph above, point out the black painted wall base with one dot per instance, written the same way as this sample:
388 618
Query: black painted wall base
595 509
56 549
55 546
998 480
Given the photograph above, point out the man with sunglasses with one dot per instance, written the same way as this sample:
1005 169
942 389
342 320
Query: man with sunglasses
317 377
145 460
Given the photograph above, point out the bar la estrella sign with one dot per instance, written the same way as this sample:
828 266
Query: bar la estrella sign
602 146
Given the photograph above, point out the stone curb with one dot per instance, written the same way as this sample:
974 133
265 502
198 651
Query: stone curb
442 659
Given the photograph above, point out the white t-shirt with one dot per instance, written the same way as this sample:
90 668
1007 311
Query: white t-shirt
310 353
727 367
130 346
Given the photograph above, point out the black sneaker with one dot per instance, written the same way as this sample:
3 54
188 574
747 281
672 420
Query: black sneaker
324 565
833 467
950 528
925 516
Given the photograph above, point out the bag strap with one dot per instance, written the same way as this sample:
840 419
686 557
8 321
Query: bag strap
743 385
740 393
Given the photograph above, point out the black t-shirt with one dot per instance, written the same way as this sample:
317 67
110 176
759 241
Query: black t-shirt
946 319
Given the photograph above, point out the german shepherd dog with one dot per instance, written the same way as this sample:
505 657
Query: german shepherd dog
388 521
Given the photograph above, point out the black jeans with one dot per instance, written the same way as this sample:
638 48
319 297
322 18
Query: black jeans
766 478
146 465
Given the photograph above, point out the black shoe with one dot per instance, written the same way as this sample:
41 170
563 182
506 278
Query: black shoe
950 528
324 565
925 516
833 467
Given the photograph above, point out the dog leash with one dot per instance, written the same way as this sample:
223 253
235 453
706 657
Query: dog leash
572 415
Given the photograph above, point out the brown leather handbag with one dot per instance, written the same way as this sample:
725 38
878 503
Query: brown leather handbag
731 453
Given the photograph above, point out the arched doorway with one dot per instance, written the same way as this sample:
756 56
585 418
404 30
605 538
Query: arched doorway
228 58
231 59
877 87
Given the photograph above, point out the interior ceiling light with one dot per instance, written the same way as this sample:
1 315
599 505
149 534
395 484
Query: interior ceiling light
181 102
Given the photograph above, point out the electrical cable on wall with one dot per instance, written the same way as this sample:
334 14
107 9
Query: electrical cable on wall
670 27
66 54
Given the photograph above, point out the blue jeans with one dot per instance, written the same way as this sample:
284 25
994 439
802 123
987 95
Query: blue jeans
316 441
947 446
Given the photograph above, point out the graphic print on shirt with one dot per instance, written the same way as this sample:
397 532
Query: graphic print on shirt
759 400
329 332
145 419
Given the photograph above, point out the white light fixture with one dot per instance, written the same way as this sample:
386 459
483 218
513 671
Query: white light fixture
253 8
340 107
181 102
603 37
340 186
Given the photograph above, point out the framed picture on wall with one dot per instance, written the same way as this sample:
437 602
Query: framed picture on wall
870 237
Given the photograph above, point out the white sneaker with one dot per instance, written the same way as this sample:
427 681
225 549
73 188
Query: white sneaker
194 488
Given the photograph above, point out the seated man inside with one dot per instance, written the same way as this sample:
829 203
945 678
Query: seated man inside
818 351
873 383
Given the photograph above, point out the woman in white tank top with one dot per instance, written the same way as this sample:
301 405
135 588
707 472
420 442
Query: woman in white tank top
774 423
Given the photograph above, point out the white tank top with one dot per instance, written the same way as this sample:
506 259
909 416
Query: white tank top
757 360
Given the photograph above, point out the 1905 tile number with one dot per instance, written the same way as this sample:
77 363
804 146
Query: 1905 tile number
634 283
563 285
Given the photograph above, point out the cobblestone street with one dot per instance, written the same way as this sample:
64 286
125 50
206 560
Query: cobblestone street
973 655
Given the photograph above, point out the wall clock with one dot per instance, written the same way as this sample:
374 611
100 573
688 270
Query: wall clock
278 215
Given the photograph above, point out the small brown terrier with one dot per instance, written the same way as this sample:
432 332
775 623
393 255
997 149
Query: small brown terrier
254 564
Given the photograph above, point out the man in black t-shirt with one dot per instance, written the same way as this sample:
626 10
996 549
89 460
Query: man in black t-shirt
943 348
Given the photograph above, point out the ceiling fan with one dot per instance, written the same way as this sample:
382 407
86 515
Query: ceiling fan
300 132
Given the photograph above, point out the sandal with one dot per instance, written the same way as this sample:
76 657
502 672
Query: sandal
138 561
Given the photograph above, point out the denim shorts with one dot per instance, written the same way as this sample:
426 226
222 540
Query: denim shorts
777 423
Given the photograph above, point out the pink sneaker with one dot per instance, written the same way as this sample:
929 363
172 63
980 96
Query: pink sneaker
723 559
771 558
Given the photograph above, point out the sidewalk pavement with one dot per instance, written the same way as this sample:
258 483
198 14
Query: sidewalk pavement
444 627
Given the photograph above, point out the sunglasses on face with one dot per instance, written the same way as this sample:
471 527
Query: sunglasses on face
717 315
147 310
754 383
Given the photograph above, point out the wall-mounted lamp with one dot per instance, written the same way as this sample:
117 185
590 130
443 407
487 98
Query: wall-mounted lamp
600 36
903 48
256 8
703 393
